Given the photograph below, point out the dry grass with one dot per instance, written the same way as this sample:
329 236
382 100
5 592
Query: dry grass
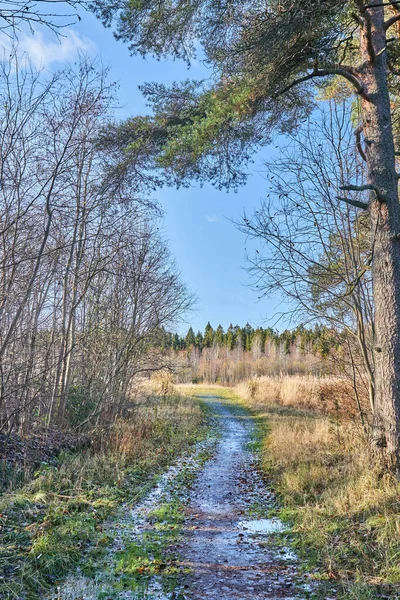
45 525
344 506
325 394
154 427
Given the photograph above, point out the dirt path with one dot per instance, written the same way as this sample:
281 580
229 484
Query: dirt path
227 550
223 550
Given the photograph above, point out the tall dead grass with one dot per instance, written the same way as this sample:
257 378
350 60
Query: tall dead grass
325 394
344 506
156 426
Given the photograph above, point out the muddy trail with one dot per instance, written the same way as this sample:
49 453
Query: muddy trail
227 550
223 548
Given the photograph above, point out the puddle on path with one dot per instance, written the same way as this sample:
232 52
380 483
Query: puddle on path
226 549
262 526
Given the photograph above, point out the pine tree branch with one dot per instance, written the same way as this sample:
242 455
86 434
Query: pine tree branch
392 69
346 72
357 19
363 188
356 203
395 3
360 149
392 21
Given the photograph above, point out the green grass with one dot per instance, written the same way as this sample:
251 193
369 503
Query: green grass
343 509
154 554
55 519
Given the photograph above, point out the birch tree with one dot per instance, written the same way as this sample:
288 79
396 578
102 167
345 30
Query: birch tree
86 280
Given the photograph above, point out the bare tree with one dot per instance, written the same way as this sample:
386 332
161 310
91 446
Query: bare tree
52 14
85 278
315 249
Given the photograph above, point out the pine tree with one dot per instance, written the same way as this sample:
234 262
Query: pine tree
176 342
219 336
267 58
199 342
208 336
190 339
230 337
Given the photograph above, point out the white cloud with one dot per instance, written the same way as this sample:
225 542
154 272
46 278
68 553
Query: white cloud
42 52
213 219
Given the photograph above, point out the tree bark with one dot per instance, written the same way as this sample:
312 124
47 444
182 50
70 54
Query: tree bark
385 227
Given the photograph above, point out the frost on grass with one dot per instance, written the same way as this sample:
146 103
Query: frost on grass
201 533
132 528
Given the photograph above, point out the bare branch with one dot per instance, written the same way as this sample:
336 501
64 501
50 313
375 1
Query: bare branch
15 13
395 3
360 149
356 203
392 21
364 188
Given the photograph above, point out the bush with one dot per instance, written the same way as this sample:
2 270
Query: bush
327 394
79 405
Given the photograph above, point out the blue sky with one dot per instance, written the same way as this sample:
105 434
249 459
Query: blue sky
208 248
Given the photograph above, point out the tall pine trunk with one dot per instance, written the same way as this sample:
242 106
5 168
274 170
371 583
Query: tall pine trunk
385 229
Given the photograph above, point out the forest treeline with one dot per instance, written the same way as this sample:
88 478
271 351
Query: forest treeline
319 340
239 353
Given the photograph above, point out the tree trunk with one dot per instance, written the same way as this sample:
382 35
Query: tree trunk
385 227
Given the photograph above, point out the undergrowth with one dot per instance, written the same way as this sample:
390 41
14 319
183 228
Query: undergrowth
149 561
330 395
48 525
344 508
156 553
152 554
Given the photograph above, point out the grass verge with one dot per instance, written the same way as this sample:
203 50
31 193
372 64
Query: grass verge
153 558
49 524
344 509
